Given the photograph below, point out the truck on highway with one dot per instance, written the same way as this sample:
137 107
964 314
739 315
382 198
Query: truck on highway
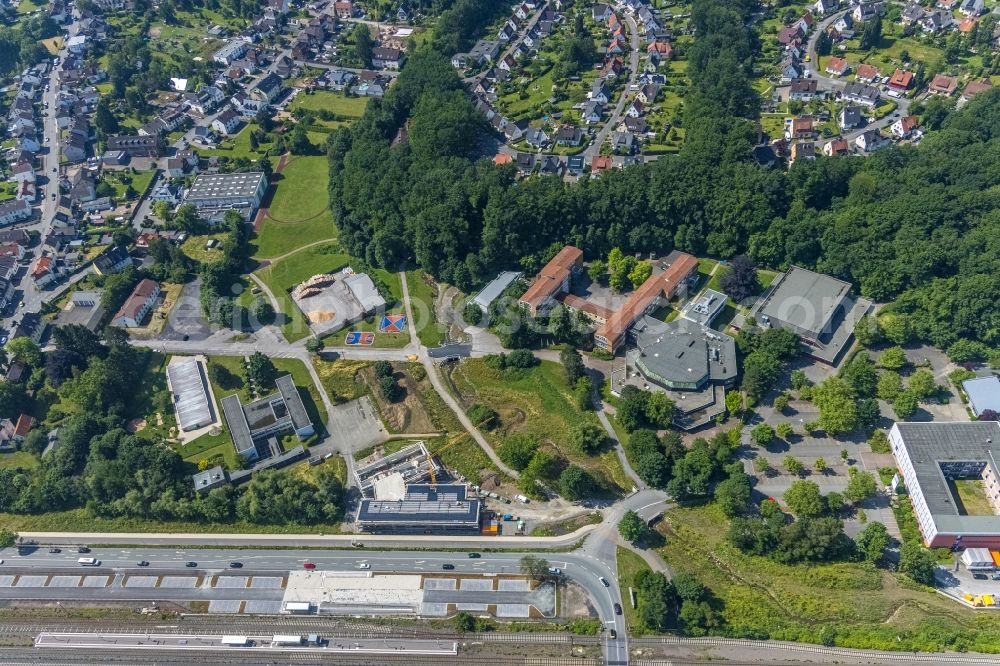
89 561
234 641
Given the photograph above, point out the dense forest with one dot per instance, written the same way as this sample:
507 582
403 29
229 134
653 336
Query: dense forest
913 225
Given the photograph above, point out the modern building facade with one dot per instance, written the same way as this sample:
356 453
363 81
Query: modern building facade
256 426
213 193
934 459
425 509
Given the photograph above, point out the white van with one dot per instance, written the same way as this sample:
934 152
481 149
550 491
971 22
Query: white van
89 561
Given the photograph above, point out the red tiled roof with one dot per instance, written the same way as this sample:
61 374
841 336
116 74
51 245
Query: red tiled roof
663 284
552 276
502 158
582 304
836 65
24 422
975 87
901 79
867 72
600 163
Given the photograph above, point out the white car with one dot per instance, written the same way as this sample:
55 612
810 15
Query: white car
364 565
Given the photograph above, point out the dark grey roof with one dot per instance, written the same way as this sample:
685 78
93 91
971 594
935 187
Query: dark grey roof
427 504
683 352
954 445
293 402
237 422
805 300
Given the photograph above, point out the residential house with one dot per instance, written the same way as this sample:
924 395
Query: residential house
851 117
972 7
790 35
22 171
623 143
9 265
844 25
861 94
339 79
637 126
113 260
600 92
567 135
867 74
661 49
536 137
592 112
802 151
906 127
507 32
790 68
802 90
648 93
823 7
912 14
172 194
231 52
944 85
344 8
13 211
837 66
227 122
636 109
803 127
44 271
134 145
600 12
387 58
973 88
268 88
937 21
507 63
867 11
550 165
871 140
901 80
525 163
600 163
138 305
175 167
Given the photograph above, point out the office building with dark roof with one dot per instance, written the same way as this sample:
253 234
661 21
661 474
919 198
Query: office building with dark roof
256 426
424 509
820 309
943 462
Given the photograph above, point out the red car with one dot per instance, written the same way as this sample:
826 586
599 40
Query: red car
308 565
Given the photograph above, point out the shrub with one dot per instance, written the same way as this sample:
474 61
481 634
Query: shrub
391 390
762 434
382 369
482 416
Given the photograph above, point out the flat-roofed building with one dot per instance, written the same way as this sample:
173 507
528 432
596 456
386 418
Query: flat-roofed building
818 308
411 464
256 425
934 459
218 192
983 394
492 291
425 509
189 391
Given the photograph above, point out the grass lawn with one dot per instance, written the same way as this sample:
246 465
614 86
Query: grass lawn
26 7
53 44
844 604
629 565
773 124
196 248
80 519
972 497
422 294
236 146
298 212
339 103
17 459
536 401
285 274
277 238
338 379
766 277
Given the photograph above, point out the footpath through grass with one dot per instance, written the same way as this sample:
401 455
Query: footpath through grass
845 604
422 296
536 401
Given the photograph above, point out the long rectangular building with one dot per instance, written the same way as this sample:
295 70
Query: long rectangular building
425 509
214 192
270 417
552 280
934 459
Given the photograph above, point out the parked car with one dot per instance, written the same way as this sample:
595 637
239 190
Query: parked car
555 571
979 576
